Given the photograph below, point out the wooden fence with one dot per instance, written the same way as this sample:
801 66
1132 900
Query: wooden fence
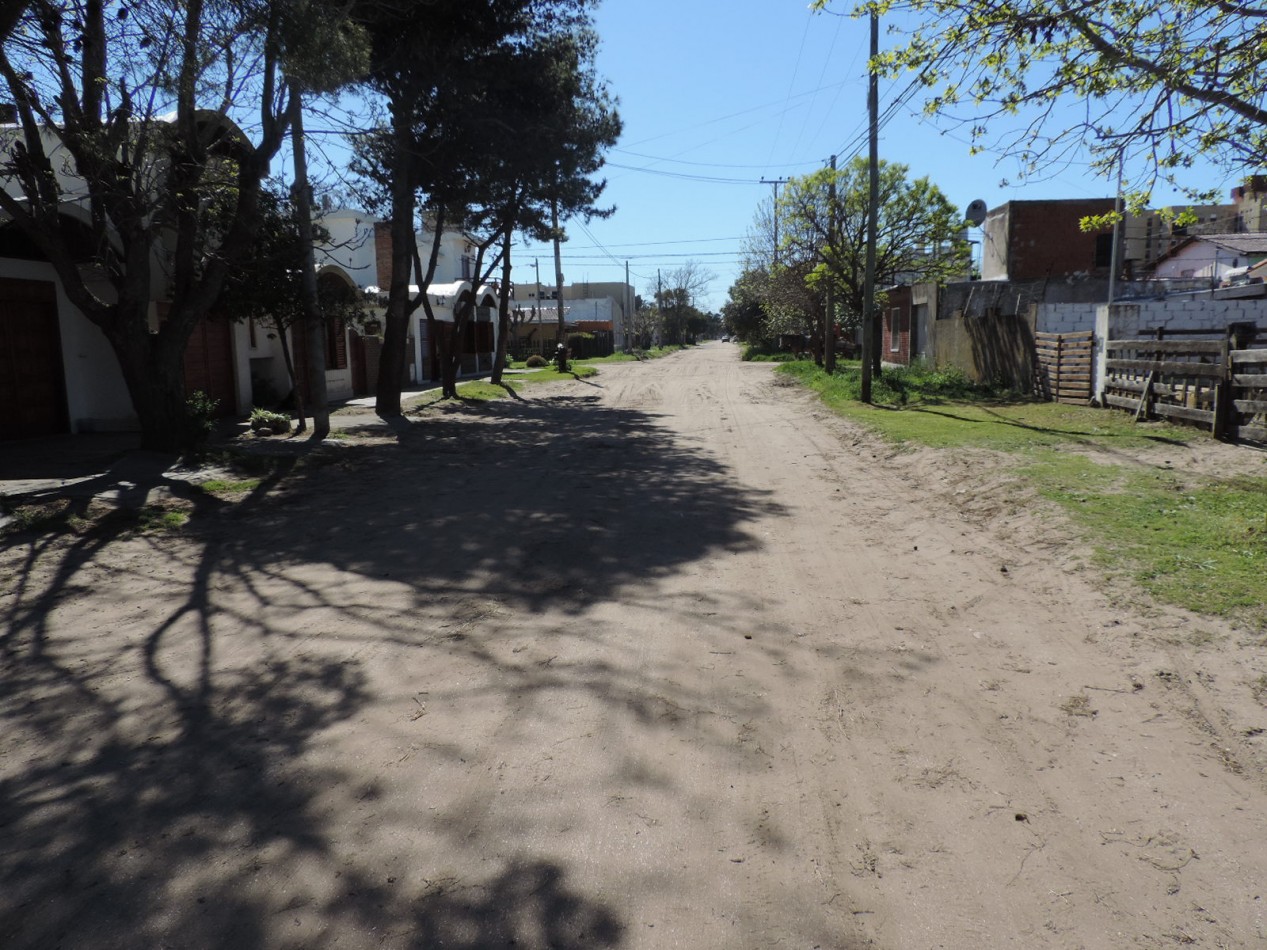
1208 383
1248 422
1064 366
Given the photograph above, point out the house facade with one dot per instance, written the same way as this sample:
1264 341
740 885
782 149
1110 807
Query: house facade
56 364
1212 257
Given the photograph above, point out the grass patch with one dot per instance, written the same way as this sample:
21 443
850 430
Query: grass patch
944 409
579 370
1197 543
157 520
60 516
228 486
37 518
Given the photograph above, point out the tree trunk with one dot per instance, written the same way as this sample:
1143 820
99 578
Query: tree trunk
308 280
154 374
296 386
503 313
449 360
396 325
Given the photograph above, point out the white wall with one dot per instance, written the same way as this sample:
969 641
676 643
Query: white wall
1200 259
351 245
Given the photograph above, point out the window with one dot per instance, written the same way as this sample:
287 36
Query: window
1104 250
336 345
895 329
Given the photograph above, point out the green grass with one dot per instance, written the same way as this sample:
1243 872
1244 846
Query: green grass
480 391
551 375
945 409
57 517
155 520
1197 543
230 486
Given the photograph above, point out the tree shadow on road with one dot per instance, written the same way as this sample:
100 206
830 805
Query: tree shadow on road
166 781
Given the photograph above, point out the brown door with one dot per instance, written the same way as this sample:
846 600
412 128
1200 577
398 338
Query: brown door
32 387
209 364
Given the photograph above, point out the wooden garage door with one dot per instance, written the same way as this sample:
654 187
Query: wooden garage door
32 388
209 364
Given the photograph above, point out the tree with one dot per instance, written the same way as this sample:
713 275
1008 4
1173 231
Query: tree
676 295
425 55
323 51
538 121
1155 86
769 302
918 236
267 286
773 287
126 114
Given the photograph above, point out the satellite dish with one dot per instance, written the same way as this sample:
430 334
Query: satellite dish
976 212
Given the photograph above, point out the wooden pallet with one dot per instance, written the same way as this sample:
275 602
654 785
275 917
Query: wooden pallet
1064 366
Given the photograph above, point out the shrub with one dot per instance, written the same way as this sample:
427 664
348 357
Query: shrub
535 362
200 419
262 420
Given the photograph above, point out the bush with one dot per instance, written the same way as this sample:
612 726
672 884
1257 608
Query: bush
535 362
275 423
200 419
755 353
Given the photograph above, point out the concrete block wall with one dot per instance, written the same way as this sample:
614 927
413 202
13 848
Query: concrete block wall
1129 319
1065 317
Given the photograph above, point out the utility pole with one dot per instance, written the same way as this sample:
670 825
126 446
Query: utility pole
829 317
774 210
536 301
659 301
558 268
628 310
873 214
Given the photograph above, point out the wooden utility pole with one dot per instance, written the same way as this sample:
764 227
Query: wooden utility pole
774 212
829 316
558 269
873 212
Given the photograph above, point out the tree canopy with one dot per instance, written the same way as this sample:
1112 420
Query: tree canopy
1151 87
438 66
131 139
918 236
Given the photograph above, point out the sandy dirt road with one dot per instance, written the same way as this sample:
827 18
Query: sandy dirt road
666 658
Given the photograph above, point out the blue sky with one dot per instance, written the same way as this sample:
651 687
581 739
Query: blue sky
717 95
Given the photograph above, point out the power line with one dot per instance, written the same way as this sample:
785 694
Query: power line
679 161
586 247
684 176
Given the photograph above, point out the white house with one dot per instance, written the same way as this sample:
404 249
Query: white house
60 372
1211 256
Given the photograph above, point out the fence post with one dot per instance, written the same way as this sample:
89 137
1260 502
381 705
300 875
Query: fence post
1223 389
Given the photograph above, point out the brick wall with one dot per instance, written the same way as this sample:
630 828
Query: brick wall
1026 240
897 313
383 253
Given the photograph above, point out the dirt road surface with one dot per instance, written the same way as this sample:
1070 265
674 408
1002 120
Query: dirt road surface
665 658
